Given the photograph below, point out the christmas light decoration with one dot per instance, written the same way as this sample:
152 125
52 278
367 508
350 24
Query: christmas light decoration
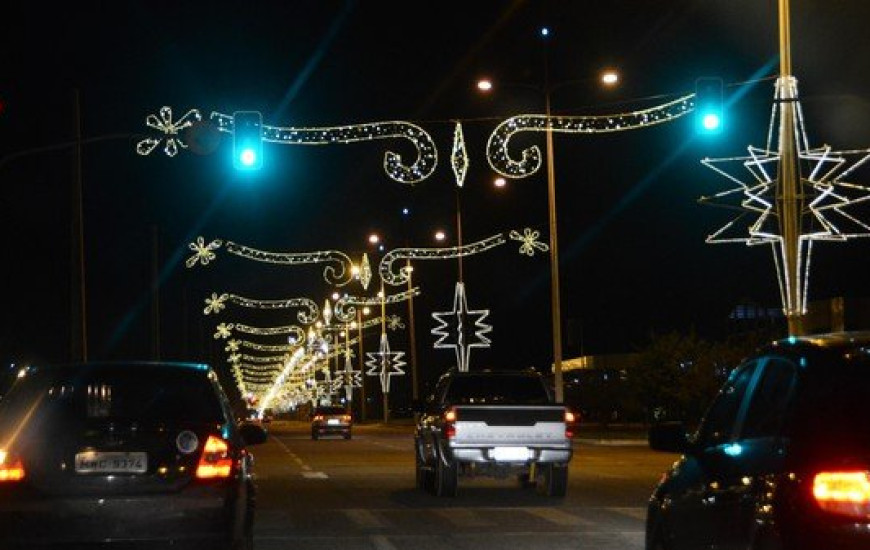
403 254
345 307
454 330
529 239
385 363
350 378
365 271
217 303
459 156
394 322
162 122
336 275
825 195
497 145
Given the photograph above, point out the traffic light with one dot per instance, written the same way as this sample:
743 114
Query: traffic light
709 113
247 140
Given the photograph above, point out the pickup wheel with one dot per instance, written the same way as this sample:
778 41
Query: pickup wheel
554 480
423 474
446 479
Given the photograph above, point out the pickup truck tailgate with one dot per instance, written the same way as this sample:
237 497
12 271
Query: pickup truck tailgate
510 425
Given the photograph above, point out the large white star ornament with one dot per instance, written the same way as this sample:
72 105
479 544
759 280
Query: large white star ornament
455 329
385 363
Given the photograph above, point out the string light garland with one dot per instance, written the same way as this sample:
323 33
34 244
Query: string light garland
420 169
336 275
497 145
455 330
225 330
217 303
345 307
404 273
824 192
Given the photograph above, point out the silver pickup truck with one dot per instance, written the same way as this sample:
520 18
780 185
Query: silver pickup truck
493 423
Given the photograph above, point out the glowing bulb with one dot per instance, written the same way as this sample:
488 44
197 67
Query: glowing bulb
484 85
609 78
440 235
499 182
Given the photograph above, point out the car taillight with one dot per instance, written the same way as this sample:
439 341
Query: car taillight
318 417
346 418
570 419
449 426
215 461
11 468
843 492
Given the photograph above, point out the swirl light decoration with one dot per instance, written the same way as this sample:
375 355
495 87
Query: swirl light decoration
225 330
826 197
345 307
497 145
403 274
217 303
420 169
337 275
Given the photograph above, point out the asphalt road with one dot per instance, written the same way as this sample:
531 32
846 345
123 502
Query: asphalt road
360 494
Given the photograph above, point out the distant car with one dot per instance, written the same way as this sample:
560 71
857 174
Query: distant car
331 420
781 459
124 452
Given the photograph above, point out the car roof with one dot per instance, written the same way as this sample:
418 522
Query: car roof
823 344
126 364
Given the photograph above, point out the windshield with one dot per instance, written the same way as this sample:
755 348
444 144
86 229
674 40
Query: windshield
137 392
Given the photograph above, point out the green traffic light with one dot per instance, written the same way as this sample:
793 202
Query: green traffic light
248 157
712 122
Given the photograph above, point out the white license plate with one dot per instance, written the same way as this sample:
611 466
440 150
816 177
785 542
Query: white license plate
99 462
333 421
509 454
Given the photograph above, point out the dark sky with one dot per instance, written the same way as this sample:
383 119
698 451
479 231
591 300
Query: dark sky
631 231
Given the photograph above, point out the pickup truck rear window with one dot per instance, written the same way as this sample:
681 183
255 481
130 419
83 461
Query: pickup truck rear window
512 390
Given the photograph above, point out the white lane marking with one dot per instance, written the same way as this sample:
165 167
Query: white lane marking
463 517
635 512
365 519
558 516
314 475
382 543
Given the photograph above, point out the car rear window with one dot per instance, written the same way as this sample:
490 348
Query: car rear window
331 410
497 389
832 411
135 392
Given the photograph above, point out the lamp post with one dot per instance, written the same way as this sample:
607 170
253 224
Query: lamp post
608 78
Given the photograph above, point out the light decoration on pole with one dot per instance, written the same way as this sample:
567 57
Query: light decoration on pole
461 329
422 167
826 197
338 274
385 363
400 256
345 307
225 330
500 159
218 302
459 156
530 240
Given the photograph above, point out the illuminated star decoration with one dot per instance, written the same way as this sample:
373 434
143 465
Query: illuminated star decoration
170 130
529 239
824 214
385 363
202 253
350 378
394 323
456 331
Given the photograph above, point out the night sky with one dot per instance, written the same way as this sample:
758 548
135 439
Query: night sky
631 231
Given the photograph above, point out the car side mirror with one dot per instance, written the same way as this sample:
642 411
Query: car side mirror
253 434
669 437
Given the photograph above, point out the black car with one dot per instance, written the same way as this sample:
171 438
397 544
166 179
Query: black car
781 459
124 452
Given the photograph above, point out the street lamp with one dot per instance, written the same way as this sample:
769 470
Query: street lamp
608 78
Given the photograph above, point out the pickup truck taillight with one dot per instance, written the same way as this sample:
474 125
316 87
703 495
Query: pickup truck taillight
846 493
216 461
11 468
570 420
449 423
